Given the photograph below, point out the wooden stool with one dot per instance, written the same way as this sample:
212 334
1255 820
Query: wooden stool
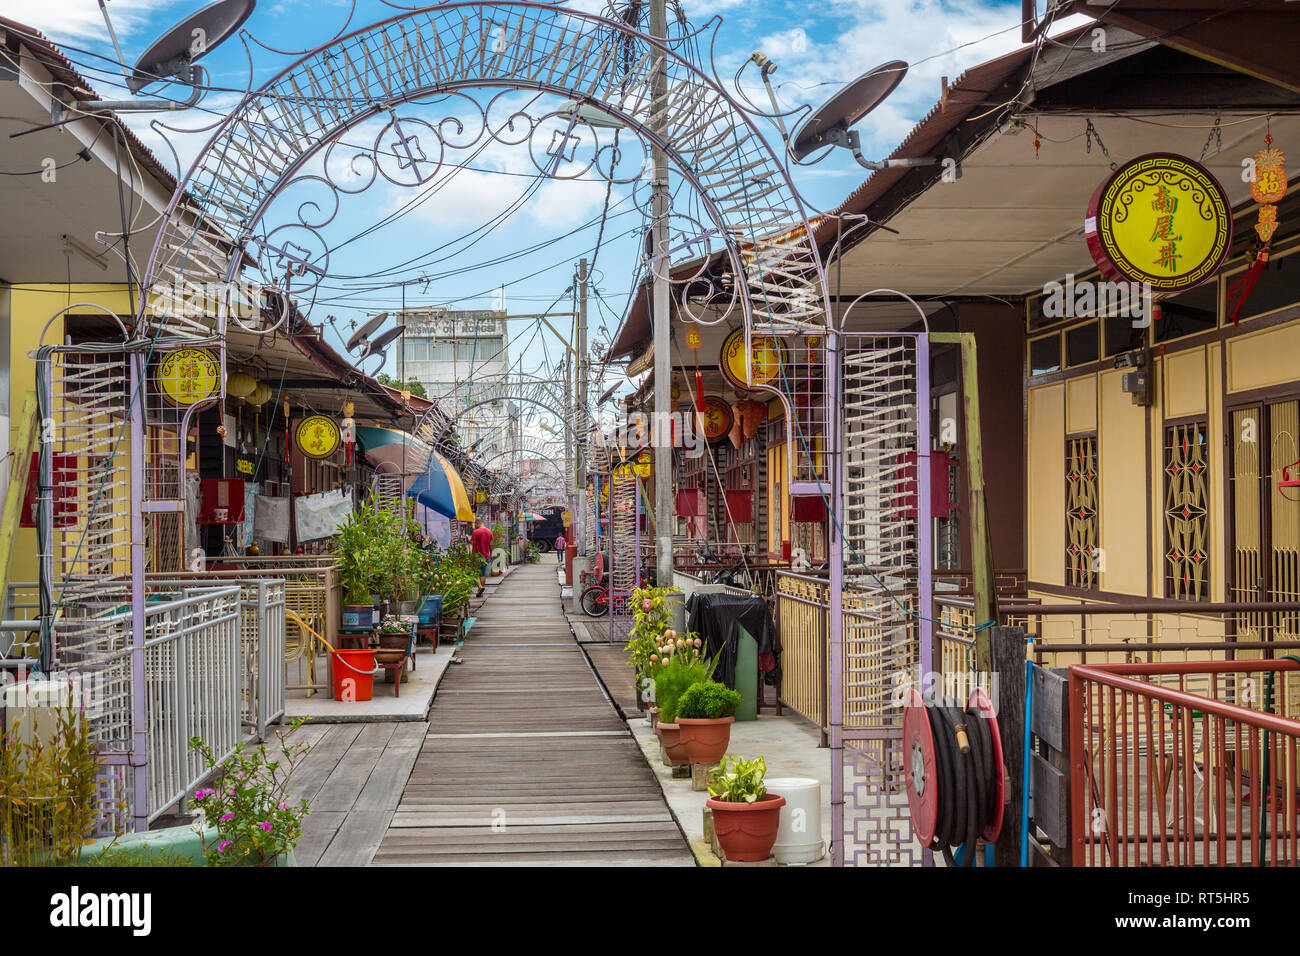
361 635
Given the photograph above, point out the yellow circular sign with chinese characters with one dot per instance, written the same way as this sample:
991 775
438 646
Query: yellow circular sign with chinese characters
767 355
189 376
317 436
1161 220
643 464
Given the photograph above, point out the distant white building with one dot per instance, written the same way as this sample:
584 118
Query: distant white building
461 358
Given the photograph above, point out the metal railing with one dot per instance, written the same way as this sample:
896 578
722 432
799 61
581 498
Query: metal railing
1105 633
1185 764
192 687
802 615
311 590
262 644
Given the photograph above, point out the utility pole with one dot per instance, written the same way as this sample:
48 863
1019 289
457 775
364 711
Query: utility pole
660 265
581 424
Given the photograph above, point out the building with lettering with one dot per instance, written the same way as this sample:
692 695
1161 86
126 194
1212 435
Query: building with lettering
462 357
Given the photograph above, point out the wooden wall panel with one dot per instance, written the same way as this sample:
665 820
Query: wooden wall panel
1046 489
1122 437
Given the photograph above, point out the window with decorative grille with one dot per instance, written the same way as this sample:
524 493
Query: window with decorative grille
1187 476
1082 525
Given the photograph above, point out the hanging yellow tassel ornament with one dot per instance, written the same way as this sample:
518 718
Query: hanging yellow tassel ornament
1267 187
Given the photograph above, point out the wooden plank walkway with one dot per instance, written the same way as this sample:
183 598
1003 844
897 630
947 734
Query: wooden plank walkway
525 761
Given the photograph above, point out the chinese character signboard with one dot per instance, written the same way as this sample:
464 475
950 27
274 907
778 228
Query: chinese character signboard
189 376
1162 220
317 436
717 418
766 356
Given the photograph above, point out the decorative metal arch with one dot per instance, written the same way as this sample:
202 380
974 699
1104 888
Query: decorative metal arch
755 213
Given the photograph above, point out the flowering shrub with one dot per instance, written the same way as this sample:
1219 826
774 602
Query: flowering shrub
397 623
652 615
248 804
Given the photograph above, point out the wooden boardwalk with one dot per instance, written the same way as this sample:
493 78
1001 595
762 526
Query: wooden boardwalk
524 761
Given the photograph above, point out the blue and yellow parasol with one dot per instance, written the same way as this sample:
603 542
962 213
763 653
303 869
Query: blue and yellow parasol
430 478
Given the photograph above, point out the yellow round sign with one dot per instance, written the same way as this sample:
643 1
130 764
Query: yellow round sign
189 376
643 464
317 436
1162 220
767 355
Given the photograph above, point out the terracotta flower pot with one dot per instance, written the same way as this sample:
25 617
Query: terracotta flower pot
747 831
705 739
670 737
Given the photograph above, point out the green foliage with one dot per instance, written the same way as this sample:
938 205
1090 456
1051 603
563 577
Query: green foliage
456 576
739 781
414 386
378 553
47 792
652 617
674 677
249 806
708 700
137 856
532 553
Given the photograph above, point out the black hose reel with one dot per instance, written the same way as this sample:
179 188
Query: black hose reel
956 778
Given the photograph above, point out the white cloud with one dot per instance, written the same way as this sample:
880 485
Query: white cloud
81 21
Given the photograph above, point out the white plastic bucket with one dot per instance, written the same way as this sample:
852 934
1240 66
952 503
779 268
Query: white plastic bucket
799 837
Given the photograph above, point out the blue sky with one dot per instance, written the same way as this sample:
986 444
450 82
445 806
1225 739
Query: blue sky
543 228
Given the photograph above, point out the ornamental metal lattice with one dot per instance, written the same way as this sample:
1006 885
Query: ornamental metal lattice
1082 524
884 636
624 549
1187 483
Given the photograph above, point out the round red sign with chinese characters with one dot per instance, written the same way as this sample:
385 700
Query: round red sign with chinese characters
1160 220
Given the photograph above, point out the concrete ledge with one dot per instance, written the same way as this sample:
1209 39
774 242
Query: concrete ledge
417 695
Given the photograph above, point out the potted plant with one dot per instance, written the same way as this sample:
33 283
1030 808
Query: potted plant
354 548
745 815
676 669
705 712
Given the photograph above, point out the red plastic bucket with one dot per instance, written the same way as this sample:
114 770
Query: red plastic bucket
354 677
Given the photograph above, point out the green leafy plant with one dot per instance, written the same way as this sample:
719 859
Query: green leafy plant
708 700
47 791
248 805
674 677
354 546
397 623
652 618
739 781
136 856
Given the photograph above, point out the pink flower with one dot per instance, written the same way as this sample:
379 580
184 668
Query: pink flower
266 827
227 816
282 806
221 847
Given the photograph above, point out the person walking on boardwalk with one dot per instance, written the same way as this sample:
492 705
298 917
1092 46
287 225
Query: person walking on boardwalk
559 547
480 542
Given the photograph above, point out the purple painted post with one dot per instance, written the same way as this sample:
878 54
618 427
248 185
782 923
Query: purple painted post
835 602
924 526
139 702
636 530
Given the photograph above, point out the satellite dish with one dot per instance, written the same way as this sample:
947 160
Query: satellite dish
847 108
197 35
378 344
366 329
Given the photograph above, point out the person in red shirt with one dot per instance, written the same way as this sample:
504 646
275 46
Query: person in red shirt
480 542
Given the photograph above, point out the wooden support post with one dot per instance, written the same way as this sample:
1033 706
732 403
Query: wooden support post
981 541
1008 649
13 510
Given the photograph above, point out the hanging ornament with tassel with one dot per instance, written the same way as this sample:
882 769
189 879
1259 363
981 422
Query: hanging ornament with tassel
349 430
1267 187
